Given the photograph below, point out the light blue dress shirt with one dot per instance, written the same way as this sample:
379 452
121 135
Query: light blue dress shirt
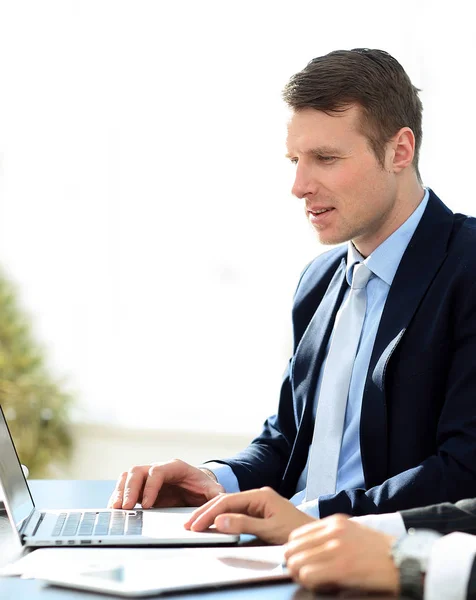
383 262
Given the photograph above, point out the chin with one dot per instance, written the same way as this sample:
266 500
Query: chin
331 240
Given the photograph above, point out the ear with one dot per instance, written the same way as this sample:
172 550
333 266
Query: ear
403 145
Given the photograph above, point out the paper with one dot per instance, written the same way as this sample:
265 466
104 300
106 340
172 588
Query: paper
40 561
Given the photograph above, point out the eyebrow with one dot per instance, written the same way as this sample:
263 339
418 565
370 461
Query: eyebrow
319 151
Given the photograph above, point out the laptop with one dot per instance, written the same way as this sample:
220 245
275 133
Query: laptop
90 527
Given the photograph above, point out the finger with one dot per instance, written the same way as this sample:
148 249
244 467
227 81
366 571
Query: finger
157 475
115 501
213 490
243 502
318 576
312 536
199 511
174 473
302 544
133 486
312 556
181 475
184 482
236 523
205 515
320 531
316 538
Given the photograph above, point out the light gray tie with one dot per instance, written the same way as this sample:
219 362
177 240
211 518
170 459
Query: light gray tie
332 403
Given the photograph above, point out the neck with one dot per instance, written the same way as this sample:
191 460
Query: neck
408 196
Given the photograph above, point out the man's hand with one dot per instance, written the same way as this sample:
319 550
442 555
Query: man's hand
337 552
262 512
158 485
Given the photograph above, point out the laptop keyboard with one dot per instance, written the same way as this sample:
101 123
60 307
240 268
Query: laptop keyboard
92 523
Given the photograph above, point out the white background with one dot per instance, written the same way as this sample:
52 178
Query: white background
145 212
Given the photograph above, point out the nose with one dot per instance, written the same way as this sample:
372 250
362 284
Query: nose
304 184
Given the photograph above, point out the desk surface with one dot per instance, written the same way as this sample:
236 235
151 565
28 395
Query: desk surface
93 494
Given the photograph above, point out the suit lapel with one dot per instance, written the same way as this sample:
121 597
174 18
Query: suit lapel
418 267
311 350
305 368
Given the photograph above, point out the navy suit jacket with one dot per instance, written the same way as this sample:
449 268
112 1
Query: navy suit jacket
418 419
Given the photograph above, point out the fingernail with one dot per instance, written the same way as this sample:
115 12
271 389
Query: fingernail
225 523
144 500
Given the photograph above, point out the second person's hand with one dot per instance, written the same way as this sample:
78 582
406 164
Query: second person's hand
339 553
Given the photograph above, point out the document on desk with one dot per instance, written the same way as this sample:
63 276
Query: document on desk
138 572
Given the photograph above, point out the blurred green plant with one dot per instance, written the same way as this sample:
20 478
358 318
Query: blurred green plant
36 408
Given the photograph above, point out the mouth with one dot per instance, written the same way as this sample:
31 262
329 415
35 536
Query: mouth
319 216
319 211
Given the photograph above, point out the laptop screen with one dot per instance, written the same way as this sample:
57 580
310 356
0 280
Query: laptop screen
15 488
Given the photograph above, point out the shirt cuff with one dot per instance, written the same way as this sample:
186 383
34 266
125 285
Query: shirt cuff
225 476
311 508
390 523
449 567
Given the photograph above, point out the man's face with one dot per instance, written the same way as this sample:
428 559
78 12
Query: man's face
348 194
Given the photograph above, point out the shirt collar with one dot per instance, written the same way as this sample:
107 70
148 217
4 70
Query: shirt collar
385 259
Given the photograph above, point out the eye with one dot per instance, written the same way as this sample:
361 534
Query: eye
326 159
294 161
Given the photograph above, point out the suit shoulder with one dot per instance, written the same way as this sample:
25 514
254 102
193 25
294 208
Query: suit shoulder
463 239
468 225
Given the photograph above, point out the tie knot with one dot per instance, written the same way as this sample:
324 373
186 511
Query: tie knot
360 276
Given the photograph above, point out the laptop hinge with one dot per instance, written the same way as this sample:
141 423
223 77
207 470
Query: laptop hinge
26 523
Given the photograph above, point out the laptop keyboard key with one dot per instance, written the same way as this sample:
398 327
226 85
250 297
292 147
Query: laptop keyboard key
118 522
59 524
102 524
87 524
98 523
71 525
134 523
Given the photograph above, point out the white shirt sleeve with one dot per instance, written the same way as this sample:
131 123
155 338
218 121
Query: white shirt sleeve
225 476
449 567
311 507
391 523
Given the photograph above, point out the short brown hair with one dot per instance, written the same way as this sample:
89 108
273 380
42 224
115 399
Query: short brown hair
371 78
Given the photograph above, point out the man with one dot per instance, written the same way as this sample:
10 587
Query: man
376 407
344 553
